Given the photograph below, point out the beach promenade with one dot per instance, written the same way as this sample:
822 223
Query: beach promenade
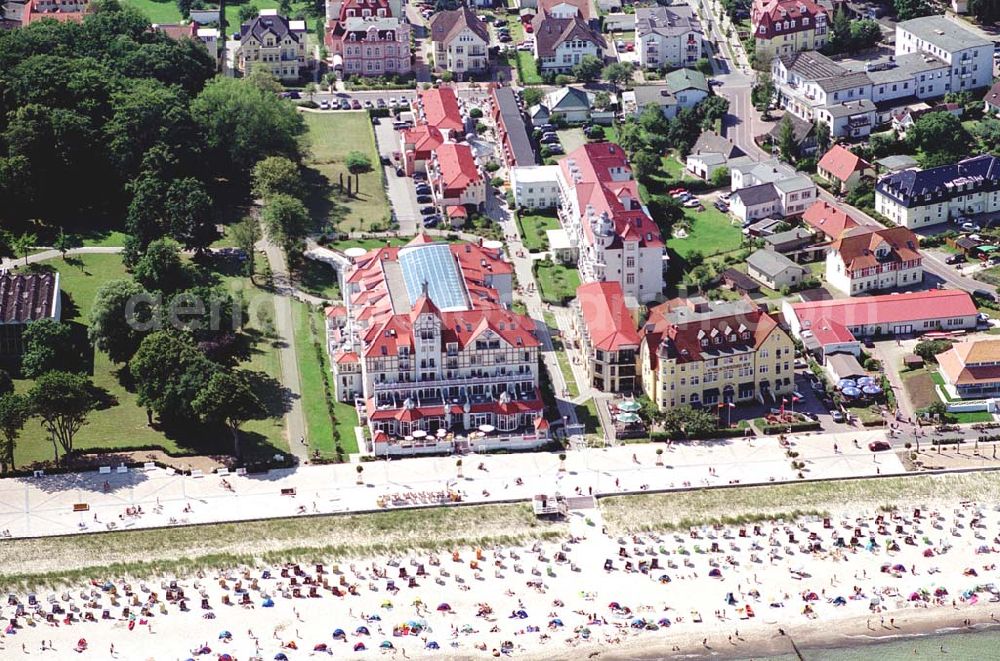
98 502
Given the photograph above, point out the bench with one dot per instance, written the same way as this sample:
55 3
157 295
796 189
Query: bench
148 466
241 471
197 472
121 469
104 470
81 507
222 471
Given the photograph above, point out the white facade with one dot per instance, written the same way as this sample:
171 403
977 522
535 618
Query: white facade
567 54
969 56
667 37
795 195
878 278
535 186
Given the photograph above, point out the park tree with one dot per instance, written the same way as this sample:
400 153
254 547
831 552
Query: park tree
665 211
986 134
65 242
62 401
602 100
184 7
6 383
121 315
907 9
48 345
822 136
985 11
786 141
22 245
246 234
618 73
588 69
686 422
228 398
865 34
644 163
169 372
762 93
247 13
720 177
532 96
276 174
286 220
187 210
242 123
712 109
357 162
929 349
840 32
15 411
939 139
160 268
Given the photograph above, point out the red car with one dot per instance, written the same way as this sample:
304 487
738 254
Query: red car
630 46
879 446
529 28
674 191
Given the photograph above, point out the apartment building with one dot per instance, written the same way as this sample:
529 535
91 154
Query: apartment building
865 260
919 198
698 353
457 181
461 42
971 369
606 222
515 146
782 27
369 38
609 336
535 186
274 43
667 36
436 347
560 43
969 56
775 194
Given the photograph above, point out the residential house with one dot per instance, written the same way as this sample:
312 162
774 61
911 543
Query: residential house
784 197
739 281
709 153
774 270
438 107
428 326
919 198
793 241
539 115
803 135
369 38
274 43
457 180
209 37
844 169
516 148
667 36
683 88
866 259
25 298
969 56
560 43
746 172
992 100
461 42
535 186
885 315
896 163
903 120
971 369
62 11
572 104
417 146
782 27
827 221
609 336
601 211
566 8
696 353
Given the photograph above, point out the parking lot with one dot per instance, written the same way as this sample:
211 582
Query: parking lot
402 195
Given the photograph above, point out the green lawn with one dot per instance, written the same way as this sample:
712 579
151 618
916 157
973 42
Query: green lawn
533 227
971 417
556 283
990 276
570 139
527 68
312 365
319 279
561 357
367 244
124 423
711 233
516 29
166 11
586 414
331 136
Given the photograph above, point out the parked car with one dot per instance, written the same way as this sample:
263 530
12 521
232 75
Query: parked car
817 386
423 189
620 45
424 199
957 258
721 206
879 446
427 211
345 104
525 46
547 128
714 82
355 104
837 416
380 102
971 227
399 172
324 105
529 28
556 149
674 191
431 221
368 104
983 318
680 194
982 293
549 139
692 202
504 38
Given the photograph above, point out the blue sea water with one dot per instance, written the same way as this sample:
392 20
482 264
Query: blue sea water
964 646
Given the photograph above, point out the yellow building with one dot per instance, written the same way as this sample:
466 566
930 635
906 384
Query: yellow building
783 27
698 353
273 43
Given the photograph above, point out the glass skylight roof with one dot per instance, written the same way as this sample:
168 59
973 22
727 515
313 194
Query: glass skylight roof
434 264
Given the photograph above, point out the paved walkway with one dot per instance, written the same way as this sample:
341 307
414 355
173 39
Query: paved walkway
45 506
284 326
50 253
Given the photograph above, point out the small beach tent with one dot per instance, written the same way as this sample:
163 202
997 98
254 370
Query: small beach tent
443 608
338 634
386 645
362 631
359 647
432 645
280 656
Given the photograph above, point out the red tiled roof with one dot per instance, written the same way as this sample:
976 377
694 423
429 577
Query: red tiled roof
609 323
346 357
829 332
888 308
334 311
441 109
777 16
176 31
29 14
857 247
828 219
842 162
462 327
457 167
971 362
598 185
423 140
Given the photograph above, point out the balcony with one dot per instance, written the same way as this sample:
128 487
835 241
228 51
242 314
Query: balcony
384 386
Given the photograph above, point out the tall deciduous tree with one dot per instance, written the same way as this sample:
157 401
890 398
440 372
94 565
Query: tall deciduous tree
188 213
786 141
23 243
228 398
588 69
14 413
119 318
160 268
48 345
62 401
276 174
246 234
169 372
286 220
358 162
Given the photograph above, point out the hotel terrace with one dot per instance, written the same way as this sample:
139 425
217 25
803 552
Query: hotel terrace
429 352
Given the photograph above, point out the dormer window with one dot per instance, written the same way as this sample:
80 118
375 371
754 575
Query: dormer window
746 335
704 342
718 339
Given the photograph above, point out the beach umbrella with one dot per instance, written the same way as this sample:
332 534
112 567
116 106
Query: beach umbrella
339 633
850 391
614 605
386 604
225 657
443 608
627 417
268 603
386 645
280 656
432 645
359 647
871 390
865 381
555 622
846 383
362 631
663 622
319 647
224 634
630 405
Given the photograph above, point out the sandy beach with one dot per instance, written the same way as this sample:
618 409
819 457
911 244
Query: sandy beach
715 590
